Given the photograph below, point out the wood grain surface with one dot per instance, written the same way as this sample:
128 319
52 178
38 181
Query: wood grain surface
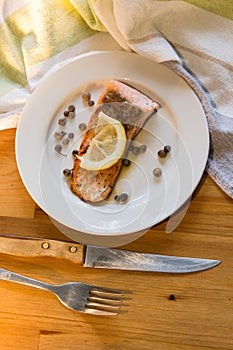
164 311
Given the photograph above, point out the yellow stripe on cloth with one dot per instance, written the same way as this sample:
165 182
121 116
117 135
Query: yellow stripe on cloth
35 32
86 10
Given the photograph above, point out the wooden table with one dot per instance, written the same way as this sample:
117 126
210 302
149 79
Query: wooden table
199 317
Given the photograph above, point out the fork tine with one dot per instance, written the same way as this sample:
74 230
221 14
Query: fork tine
99 312
106 291
97 304
103 307
106 295
105 300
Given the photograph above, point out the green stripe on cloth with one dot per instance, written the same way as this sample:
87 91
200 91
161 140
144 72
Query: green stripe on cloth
35 32
222 8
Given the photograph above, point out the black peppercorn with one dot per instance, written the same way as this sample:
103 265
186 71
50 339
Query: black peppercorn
162 153
126 162
71 108
167 149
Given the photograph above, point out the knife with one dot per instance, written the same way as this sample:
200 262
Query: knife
100 257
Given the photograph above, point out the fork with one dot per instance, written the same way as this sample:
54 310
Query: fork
77 296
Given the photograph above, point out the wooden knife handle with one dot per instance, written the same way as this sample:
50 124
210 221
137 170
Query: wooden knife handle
38 247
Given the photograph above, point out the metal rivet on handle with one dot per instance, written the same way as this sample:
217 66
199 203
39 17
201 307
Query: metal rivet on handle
45 245
73 249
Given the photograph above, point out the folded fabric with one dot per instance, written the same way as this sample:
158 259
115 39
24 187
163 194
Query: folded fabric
35 36
193 38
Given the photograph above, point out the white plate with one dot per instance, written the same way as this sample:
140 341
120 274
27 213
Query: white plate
180 122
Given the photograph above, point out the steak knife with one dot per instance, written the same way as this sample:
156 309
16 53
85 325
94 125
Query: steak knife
100 257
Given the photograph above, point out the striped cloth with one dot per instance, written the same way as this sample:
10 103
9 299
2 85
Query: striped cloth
193 37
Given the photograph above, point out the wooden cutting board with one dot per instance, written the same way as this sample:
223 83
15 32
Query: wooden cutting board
14 200
164 312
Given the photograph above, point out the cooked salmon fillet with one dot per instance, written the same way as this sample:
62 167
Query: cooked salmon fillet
132 108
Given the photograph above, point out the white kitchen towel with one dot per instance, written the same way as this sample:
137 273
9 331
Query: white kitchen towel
195 39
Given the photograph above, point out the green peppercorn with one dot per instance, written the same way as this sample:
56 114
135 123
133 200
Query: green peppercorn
123 197
131 147
57 136
157 172
62 121
82 126
142 148
135 150
71 115
66 141
71 135
58 148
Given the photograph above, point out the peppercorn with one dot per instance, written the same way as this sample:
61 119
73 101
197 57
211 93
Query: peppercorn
71 108
123 197
167 149
82 126
117 198
67 172
126 162
162 153
90 103
157 172
86 96
62 121
59 135
71 115
58 148
135 150
71 135
74 152
142 148
66 141
131 147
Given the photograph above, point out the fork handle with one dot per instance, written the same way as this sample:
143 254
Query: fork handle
14 277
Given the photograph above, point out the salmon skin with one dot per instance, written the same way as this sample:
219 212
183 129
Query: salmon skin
132 108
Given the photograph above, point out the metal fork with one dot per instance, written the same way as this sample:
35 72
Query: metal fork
77 296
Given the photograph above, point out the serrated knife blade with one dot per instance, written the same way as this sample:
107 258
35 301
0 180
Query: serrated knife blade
98 257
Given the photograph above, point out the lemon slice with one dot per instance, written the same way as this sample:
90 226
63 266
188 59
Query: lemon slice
108 145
